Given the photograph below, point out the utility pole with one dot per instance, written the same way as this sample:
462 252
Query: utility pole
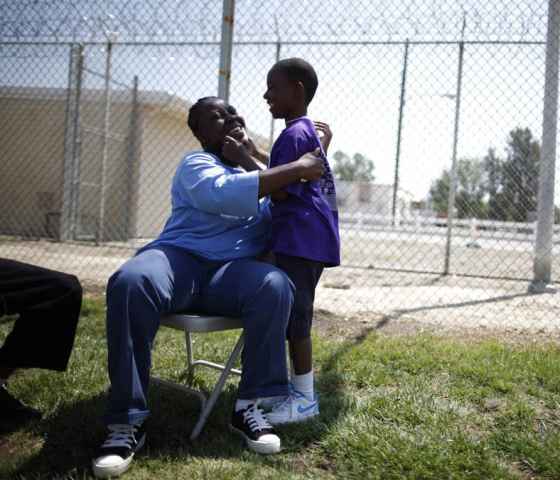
453 174
545 208
399 134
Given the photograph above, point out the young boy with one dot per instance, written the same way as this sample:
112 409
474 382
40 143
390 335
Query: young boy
305 237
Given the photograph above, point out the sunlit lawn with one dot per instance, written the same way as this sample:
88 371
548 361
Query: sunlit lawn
415 406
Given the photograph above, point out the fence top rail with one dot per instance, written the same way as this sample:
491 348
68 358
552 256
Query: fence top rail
272 42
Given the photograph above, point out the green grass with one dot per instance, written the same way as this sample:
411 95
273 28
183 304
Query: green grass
413 407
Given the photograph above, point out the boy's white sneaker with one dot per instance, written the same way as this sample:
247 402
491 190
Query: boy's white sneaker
268 403
296 408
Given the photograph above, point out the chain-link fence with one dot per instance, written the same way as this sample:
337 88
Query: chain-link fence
436 109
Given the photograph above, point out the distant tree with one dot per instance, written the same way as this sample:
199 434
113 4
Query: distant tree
439 193
494 169
472 189
470 193
504 189
520 176
355 168
513 181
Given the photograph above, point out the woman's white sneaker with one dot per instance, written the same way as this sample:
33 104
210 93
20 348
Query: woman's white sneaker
115 455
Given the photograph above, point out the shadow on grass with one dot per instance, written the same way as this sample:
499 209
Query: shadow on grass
70 436
74 432
175 414
12 425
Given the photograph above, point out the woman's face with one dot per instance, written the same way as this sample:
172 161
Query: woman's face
217 120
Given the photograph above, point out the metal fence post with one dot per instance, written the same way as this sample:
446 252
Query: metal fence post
105 144
131 159
399 134
453 174
545 209
224 74
71 165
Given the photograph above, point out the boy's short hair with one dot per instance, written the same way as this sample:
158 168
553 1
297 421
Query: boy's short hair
194 112
298 70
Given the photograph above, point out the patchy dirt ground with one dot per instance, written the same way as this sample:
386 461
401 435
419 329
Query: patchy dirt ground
357 326
441 302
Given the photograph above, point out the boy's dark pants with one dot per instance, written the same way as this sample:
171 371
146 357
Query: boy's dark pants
48 304
305 275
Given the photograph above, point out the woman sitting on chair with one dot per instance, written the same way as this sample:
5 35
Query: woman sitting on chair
205 260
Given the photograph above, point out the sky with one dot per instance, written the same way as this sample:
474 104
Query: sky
358 95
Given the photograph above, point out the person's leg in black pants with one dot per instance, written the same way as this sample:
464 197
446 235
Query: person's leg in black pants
48 304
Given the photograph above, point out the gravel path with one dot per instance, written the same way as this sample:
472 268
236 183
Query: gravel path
377 290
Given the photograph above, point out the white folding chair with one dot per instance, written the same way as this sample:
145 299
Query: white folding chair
192 323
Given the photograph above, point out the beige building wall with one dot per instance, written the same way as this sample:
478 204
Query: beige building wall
137 187
137 180
165 141
371 198
117 178
31 164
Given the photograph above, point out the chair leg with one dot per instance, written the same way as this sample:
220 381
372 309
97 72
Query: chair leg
188 341
209 404
191 362
213 365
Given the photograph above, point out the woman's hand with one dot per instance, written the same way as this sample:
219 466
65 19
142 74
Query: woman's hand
309 167
255 152
242 136
234 151
250 146
312 166
325 134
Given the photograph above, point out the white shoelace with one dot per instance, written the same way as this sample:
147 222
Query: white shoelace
120 435
288 401
285 405
254 416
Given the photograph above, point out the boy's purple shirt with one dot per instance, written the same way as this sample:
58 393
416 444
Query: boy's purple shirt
306 223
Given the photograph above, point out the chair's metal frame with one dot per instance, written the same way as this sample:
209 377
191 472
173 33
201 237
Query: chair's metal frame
191 323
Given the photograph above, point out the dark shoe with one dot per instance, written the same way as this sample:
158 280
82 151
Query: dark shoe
253 426
12 410
115 455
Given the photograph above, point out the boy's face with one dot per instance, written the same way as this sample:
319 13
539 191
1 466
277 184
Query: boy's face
282 95
218 119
